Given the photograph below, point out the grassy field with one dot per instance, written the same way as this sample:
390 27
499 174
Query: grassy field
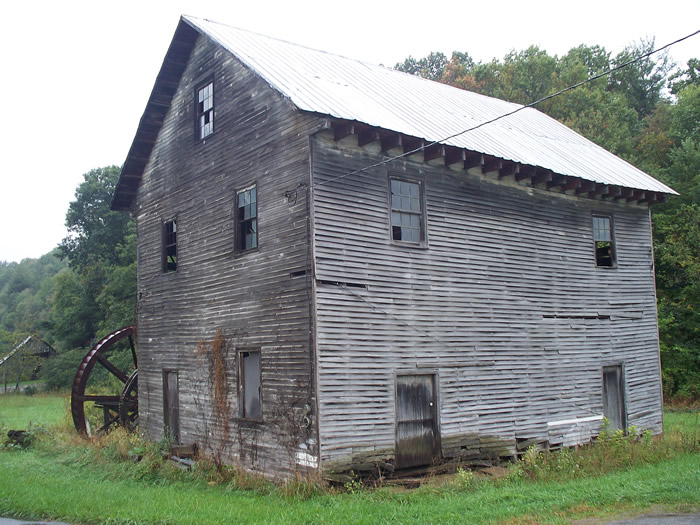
19 411
63 477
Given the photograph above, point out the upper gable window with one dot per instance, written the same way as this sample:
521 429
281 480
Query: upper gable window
246 219
170 246
204 98
603 239
407 214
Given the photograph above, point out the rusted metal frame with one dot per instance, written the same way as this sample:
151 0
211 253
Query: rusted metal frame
113 369
132 346
94 356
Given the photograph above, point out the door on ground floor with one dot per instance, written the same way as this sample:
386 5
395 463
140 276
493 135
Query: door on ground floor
614 397
417 437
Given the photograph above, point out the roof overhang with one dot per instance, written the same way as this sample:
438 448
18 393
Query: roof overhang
398 145
510 151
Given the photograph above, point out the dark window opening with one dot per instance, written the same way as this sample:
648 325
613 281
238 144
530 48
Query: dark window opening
205 110
171 405
603 239
343 284
170 246
247 219
406 211
249 388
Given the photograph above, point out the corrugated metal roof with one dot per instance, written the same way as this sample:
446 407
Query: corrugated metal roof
348 89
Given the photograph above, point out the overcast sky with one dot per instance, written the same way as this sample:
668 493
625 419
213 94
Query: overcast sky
77 74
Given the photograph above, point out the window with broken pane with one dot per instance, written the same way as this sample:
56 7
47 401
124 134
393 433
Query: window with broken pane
170 246
247 219
205 110
604 240
406 211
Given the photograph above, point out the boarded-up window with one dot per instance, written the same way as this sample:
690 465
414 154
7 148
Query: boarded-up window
604 241
407 219
249 397
170 246
205 110
171 405
247 219
614 397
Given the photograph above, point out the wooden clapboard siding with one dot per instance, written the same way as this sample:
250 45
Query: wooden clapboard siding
251 297
504 304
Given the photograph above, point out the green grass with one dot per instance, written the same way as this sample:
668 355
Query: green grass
686 421
19 411
72 480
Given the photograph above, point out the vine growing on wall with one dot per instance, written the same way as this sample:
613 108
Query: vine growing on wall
214 356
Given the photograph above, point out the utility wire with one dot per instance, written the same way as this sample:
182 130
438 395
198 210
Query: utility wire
504 115
405 154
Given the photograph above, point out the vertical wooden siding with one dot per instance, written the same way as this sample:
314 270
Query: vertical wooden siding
505 303
251 297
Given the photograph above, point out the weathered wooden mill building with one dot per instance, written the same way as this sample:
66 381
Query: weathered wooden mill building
395 283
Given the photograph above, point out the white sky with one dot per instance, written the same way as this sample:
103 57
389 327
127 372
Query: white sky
77 74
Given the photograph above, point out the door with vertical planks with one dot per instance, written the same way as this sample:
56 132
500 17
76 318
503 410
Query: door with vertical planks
171 405
417 438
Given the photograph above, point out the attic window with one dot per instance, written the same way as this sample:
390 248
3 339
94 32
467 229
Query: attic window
205 110
170 246
246 219
407 217
604 241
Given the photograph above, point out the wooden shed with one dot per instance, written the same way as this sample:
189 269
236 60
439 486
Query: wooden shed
342 266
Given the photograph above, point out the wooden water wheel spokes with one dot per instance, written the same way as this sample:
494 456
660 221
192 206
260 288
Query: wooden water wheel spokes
120 406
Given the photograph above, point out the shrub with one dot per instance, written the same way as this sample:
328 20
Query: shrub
464 479
29 390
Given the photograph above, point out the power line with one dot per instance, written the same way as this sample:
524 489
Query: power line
504 115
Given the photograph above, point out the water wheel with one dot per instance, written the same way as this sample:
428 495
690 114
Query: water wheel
107 395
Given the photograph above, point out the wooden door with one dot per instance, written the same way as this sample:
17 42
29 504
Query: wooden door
171 405
417 439
614 397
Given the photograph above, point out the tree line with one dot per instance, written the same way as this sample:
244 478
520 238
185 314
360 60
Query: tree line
647 113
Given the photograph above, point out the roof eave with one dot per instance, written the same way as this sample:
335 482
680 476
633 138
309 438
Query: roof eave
397 145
